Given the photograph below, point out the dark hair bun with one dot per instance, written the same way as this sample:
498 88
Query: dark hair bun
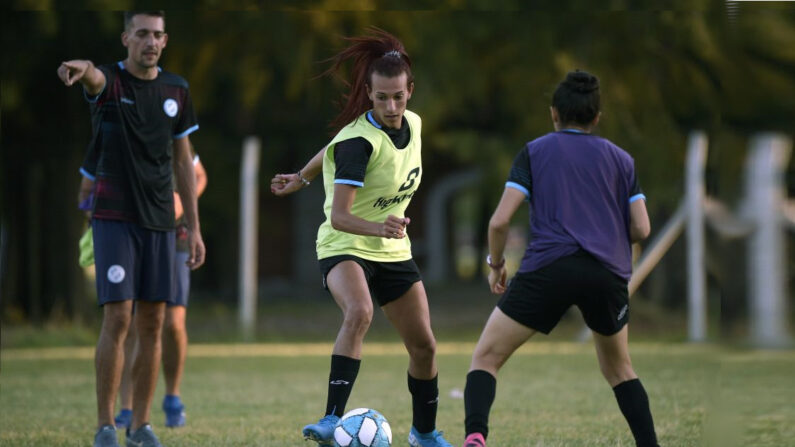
577 98
581 82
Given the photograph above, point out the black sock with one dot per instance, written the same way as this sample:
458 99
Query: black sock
424 402
634 404
340 383
478 397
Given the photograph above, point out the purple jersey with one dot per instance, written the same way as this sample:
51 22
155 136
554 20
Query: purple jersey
579 187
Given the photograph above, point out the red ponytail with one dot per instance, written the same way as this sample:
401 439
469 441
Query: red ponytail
379 52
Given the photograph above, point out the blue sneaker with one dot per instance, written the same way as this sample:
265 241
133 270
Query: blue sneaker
175 411
323 431
106 437
124 418
143 437
432 439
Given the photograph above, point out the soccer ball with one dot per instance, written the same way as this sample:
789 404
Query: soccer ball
363 427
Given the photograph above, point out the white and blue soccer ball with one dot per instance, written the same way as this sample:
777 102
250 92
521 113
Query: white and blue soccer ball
363 427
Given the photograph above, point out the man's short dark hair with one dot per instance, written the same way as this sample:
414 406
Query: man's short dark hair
128 16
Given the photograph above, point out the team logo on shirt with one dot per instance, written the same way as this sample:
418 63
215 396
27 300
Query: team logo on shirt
384 202
116 274
171 107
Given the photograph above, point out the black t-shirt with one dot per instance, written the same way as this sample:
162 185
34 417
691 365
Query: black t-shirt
130 155
351 156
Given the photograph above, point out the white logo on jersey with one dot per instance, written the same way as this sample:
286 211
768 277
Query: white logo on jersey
171 107
116 274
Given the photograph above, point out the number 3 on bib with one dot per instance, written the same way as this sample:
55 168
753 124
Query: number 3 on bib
410 179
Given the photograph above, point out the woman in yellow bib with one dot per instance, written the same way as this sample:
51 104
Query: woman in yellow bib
371 169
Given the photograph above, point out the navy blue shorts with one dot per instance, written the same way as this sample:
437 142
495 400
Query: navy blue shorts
132 262
538 299
387 281
183 280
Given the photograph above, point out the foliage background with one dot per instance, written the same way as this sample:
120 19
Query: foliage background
484 73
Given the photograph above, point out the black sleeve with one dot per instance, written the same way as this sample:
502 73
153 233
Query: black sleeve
109 76
635 188
351 158
635 192
89 166
186 121
521 174
91 160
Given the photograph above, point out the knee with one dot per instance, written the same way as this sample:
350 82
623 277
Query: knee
618 372
489 358
149 323
173 326
422 351
358 318
116 325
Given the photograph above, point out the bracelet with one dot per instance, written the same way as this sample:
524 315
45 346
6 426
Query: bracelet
304 182
495 266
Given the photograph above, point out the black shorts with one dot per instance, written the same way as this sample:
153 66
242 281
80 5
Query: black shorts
539 299
387 281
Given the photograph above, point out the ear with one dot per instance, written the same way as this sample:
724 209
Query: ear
409 91
165 40
553 113
124 37
596 120
369 91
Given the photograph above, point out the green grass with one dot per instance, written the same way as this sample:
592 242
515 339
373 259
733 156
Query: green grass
549 394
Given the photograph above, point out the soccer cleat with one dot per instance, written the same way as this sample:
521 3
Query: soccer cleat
475 440
143 437
106 437
124 418
175 411
323 431
432 439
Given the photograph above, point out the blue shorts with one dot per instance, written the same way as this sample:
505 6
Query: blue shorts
133 263
183 280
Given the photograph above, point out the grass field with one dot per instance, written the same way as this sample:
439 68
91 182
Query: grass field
549 394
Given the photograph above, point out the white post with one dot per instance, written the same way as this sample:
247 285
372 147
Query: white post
694 199
658 246
249 210
765 196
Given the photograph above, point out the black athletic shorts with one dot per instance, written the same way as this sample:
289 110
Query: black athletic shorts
387 281
538 299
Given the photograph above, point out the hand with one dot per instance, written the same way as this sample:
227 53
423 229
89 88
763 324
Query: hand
394 227
497 280
197 250
72 71
285 184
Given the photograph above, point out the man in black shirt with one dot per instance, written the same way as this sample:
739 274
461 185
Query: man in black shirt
141 118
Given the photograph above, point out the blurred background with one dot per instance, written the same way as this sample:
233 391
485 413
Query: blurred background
484 80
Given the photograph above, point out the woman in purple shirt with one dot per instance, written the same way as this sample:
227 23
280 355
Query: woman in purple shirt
586 210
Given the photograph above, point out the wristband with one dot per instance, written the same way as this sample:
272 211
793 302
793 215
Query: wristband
495 266
304 182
